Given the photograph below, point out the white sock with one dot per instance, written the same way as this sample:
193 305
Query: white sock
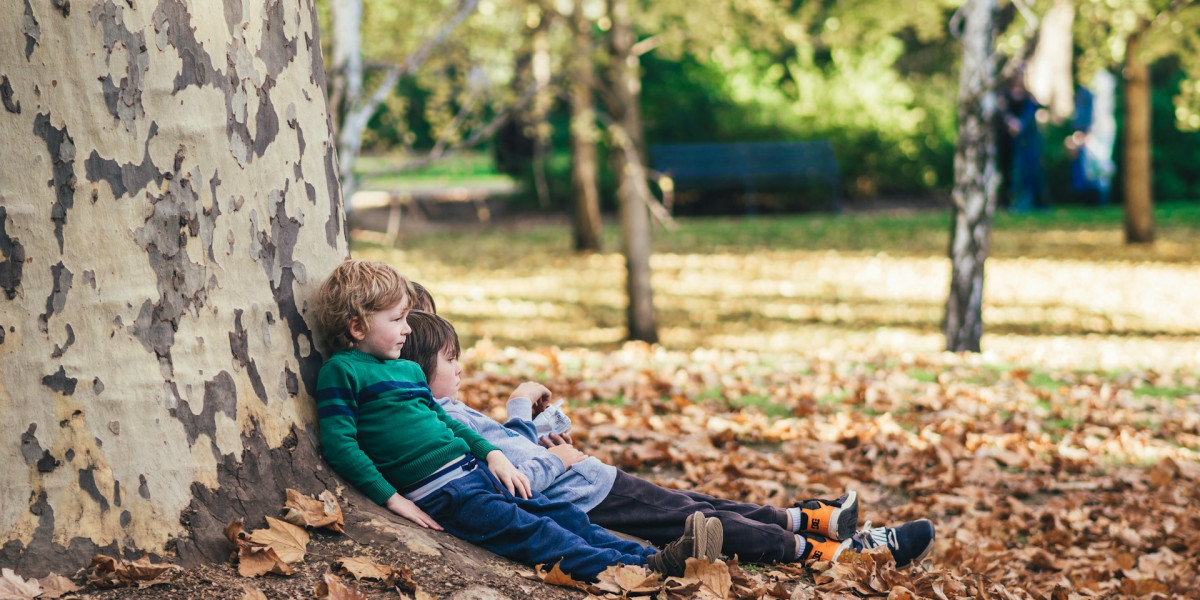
801 543
796 515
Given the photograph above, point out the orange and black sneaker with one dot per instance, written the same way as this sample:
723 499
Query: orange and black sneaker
834 519
818 548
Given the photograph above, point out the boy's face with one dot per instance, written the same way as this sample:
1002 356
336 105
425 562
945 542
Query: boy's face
446 377
386 332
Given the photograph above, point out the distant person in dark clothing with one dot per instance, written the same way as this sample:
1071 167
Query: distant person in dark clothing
1026 180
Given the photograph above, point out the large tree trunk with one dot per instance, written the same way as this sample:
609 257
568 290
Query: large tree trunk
586 222
975 180
1139 198
632 191
168 200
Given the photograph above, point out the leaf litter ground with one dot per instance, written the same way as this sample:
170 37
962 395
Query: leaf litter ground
1053 484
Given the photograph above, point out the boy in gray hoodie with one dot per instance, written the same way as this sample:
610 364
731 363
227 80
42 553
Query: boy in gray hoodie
811 530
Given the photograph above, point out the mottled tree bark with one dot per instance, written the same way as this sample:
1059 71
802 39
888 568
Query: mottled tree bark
633 195
168 201
975 179
584 169
1139 196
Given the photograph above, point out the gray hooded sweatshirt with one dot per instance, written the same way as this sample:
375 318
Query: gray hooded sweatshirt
585 484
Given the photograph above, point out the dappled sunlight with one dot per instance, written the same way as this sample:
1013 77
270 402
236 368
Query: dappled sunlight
1055 312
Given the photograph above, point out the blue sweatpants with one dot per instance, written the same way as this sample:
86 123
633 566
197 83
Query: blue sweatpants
477 508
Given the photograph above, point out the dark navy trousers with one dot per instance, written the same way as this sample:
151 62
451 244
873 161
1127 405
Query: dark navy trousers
477 508
635 506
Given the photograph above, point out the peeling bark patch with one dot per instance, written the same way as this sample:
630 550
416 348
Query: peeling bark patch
31 450
62 155
181 283
47 463
64 6
274 48
87 482
123 98
13 258
124 178
60 350
233 15
220 395
275 252
291 383
59 382
126 518
240 347
57 300
267 122
117 493
173 23
333 226
31 29
143 489
6 96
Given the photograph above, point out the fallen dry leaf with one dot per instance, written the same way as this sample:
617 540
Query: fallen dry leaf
255 558
713 576
331 588
361 567
252 593
109 572
625 580
306 511
555 576
13 587
288 541
56 586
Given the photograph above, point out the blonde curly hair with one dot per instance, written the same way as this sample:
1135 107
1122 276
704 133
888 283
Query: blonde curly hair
357 289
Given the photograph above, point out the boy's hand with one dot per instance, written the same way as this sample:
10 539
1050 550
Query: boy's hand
568 454
515 481
557 439
536 392
405 508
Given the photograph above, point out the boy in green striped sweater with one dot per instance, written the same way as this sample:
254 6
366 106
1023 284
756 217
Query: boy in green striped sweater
382 432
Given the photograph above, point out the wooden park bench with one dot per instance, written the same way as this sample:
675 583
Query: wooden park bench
750 167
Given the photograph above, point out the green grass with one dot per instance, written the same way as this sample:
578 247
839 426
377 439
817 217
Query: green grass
922 375
763 403
461 168
1165 392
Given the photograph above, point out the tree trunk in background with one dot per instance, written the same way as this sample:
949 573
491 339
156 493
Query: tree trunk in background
346 79
631 184
1139 198
975 179
586 219
168 201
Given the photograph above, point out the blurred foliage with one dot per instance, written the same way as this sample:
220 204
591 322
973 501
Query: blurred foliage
876 78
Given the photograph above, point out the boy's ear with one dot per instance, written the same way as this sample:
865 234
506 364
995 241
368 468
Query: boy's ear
357 331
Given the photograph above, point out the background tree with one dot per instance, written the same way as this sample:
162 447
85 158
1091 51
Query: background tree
169 199
1131 36
585 222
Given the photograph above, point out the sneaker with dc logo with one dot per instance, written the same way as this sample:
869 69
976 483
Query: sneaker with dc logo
909 543
833 519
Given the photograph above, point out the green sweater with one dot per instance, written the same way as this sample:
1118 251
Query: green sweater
381 429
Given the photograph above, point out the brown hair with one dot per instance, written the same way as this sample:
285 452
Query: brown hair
422 299
356 289
431 335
